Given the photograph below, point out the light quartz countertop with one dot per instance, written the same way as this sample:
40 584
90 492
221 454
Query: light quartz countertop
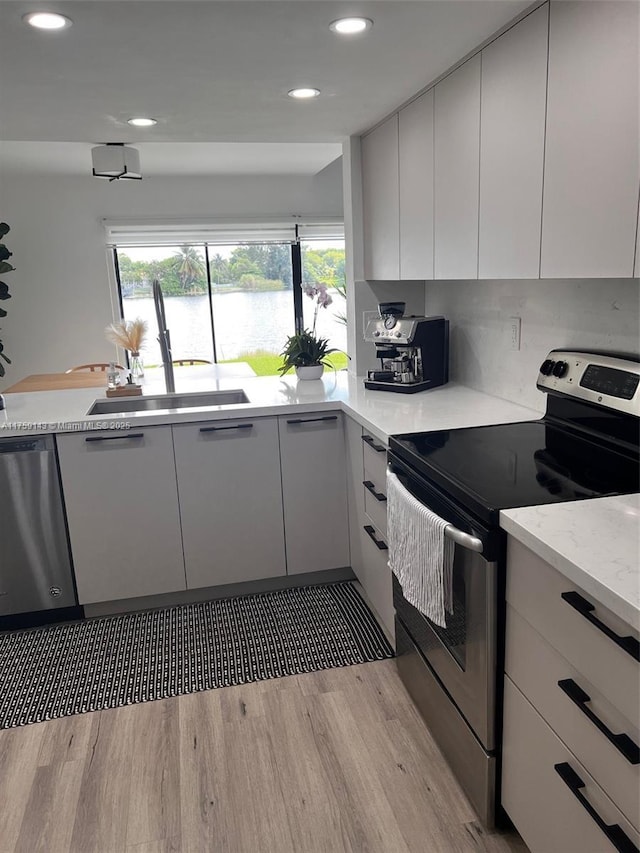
595 543
383 413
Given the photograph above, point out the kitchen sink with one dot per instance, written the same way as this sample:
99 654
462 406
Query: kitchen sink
168 401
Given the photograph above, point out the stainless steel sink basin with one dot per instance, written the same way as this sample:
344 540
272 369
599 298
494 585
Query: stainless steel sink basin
168 401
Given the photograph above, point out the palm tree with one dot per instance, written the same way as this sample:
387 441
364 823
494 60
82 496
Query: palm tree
189 266
219 269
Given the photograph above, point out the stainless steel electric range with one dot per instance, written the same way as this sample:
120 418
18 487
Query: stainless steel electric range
585 446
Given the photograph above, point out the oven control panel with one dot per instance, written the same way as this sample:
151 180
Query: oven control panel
611 381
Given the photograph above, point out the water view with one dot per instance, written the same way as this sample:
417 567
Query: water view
245 321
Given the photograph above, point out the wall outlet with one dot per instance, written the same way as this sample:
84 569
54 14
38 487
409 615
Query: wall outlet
514 333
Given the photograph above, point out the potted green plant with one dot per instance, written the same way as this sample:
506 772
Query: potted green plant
5 266
304 351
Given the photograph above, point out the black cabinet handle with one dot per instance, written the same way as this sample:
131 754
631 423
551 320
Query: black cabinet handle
622 742
585 608
219 429
370 487
125 435
312 420
371 533
613 831
379 448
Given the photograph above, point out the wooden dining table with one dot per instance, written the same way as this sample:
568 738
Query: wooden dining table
153 376
57 382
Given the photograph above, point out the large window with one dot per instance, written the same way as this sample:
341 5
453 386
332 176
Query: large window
236 301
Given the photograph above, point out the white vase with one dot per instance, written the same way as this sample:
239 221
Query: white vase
310 371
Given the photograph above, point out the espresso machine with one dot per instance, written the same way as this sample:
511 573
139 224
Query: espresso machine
413 351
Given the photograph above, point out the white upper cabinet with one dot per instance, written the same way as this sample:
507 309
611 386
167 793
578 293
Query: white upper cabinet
380 203
457 172
591 161
416 188
513 101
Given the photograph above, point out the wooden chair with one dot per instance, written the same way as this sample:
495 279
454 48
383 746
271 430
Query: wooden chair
182 361
96 367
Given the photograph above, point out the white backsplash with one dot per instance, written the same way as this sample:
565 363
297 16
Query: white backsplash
585 314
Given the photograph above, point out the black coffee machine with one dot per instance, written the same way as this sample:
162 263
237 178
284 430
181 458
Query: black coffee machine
413 351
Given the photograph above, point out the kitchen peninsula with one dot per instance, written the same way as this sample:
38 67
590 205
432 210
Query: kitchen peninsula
377 414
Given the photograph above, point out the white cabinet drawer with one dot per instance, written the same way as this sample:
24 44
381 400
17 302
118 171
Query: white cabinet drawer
375 481
378 575
375 504
557 690
548 814
535 589
375 458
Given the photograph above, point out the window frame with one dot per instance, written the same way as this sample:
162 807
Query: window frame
296 278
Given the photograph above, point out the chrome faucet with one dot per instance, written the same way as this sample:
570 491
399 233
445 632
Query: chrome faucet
164 339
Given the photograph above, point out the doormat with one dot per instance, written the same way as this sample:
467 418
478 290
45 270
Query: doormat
72 668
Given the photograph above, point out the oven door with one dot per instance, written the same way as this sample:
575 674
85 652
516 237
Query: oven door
463 655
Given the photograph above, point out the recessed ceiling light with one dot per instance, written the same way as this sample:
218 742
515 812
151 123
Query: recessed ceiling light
304 93
351 26
142 122
47 20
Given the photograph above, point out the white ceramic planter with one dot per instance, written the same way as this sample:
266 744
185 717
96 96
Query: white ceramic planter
312 371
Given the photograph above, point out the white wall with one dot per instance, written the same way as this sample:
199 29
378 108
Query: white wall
591 314
60 289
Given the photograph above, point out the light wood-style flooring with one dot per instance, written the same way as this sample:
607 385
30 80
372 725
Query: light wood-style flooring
322 763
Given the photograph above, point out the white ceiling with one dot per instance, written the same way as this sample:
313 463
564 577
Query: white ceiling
179 158
215 74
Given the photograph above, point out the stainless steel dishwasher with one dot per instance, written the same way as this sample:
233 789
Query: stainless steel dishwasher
35 565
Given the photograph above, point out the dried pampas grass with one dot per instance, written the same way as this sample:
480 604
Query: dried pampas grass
127 333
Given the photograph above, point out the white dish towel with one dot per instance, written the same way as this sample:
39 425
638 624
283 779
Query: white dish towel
420 555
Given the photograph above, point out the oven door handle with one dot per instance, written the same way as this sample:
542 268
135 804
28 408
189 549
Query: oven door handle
465 540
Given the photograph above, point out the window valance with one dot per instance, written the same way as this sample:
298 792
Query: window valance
172 232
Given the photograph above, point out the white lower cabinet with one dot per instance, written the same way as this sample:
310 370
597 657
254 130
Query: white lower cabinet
377 584
230 501
571 764
368 520
375 482
355 494
122 511
161 509
314 490
548 794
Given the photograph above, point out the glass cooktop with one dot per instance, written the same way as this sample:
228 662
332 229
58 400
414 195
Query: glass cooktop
523 464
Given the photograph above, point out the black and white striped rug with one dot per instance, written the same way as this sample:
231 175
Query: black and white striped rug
101 663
